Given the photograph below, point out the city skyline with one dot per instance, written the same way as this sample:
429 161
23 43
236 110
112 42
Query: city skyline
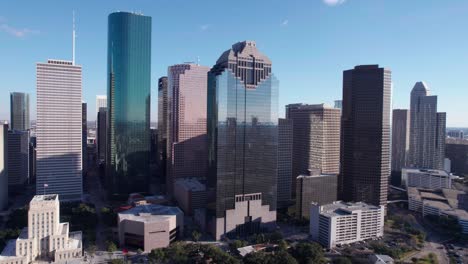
325 58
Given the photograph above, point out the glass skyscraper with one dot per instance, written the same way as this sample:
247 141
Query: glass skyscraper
19 111
128 101
242 142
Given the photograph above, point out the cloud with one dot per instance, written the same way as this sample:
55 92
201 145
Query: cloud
285 23
205 27
333 2
17 32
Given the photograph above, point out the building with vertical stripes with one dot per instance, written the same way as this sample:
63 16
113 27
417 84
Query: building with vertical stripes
19 111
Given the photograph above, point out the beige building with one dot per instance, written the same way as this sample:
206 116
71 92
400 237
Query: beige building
147 227
45 238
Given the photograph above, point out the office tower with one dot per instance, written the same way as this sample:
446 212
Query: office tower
339 104
101 133
162 127
19 111
59 129
242 142
457 151
18 159
426 134
186 123
285 152
365 133
32 159
101 101
316 138
128 103
84 138
400 143
314 188
3 166
455 134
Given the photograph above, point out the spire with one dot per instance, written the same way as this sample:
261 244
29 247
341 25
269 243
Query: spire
73 35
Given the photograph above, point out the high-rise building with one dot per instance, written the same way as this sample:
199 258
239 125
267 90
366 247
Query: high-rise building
162 129
3 166
400 143
101 101
339 104
128 103
101 133
285 152
457 151
365 133
242 142
19 111
455 134
59 129
186 123
318 188
429 179
316 138
427 130
84 138
18 159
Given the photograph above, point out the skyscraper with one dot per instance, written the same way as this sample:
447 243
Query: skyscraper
101 133
3 166
400 143
339 104
84 138
18 159
365 133
242 142
427 130
101 101
19 111
59 129
285 152
316 138
186 137
162 126
128 102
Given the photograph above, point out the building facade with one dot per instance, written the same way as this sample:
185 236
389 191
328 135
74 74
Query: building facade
400 143
285 152
316 138
457 151
342 223
423 178
101 134
457 134
320 189
162 118
84 138
18 159
3 166
44 238
242 142
427 130
191 195
186 123
128 103
101 101
365 130
19 111
59 129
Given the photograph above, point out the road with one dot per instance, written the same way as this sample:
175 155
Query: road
97 196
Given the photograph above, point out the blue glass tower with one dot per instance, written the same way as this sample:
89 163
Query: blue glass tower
128 100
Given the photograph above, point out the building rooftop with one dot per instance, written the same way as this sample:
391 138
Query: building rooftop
191 185
343 208
47 197
427 171
443 199
311 106
150 212
456 141
9 250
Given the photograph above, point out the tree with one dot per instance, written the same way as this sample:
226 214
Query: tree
342 260
234 245
256 258
275 237
282 257
139 251
282 245
196 235
91 249
176 253
309 253
111 247
117 261
156 255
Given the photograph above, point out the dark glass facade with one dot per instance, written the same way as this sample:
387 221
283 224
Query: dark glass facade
242 137
128 101
19 111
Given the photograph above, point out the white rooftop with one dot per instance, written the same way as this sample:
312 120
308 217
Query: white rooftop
150 213
191 185
343 208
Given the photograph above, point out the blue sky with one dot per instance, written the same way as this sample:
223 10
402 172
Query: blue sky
310 43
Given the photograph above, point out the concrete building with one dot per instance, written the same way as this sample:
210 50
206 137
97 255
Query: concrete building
190 195
59 129
316 188
3 166
101 134
285 152
400 143
457 151
101 101
456 134
427 126
162 124
45 238
186 123
341 223
242 143
422 178
365 135
316 138
18 159
440 202
148 227
19 111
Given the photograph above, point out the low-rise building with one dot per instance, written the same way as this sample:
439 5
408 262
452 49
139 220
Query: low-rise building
440 202
147 227
422 178
45 238
190 195
317 188
341 223
380 259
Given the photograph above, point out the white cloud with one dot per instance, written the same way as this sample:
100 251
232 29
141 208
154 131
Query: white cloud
285 23
17 32
333 2
204 27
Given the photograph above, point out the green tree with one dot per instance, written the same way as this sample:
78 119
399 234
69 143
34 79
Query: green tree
234 245
310 253
259 257
117 261
156 255
275 237
282 257
196 235
342 260
283 245
176 253
111 246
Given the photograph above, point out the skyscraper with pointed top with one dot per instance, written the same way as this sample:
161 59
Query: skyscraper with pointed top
242 142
